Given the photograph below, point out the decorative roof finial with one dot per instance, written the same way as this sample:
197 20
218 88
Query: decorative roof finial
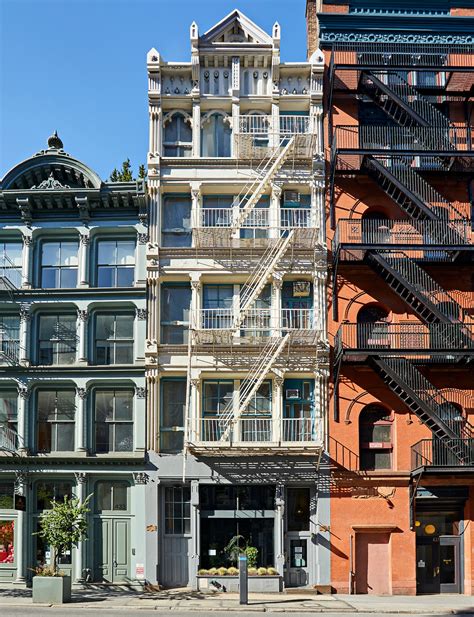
54 142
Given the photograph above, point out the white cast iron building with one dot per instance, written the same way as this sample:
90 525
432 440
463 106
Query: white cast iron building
236 349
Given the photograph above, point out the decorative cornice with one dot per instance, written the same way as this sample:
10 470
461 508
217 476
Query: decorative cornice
50 184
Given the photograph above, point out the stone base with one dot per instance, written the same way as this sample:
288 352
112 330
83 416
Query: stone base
257 584
51 589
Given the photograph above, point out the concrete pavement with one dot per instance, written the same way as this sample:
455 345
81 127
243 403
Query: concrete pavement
16 602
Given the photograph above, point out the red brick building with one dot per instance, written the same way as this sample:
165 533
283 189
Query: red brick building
400 161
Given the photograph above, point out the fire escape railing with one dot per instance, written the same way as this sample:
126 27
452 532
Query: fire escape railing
438 453
8 439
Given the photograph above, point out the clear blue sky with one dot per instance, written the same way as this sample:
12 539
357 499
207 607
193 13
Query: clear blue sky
79 66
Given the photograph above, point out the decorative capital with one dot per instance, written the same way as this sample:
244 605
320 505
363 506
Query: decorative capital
28 241
21 481
142 238
196 383
140 477
25 314
195 285
82 393
81 477
140 392
85 239
278 381
82 315
141 313
277 282
277 190
24 392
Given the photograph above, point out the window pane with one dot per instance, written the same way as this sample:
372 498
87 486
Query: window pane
125 276
104 496
123 405
124 326
105 276
66 405
8 406
48 327
120 496
7 537
47 491
123 437
50 254
123 353
69 255
68 277
50 278
174 398
125 252
106 253
104 405
105 326
65 437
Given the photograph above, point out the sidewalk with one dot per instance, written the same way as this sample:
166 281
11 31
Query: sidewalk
183 600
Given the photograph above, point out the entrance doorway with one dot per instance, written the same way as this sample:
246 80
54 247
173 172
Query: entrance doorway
438 552
112 550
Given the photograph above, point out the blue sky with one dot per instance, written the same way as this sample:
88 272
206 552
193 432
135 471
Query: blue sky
79 67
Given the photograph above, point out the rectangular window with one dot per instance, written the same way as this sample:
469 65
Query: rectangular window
114 421
177 510
57 339
173 401
178 136
9 410
176 221
46 492
111 497
114 338
175 306
9 338
298 509
115 263
59 262
56 420
261 402
216 396
7 541
10 262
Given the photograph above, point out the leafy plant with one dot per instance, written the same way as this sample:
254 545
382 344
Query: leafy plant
222 571
47 571
203 572
232 571
233 549
252 556
272 571
64 525
252 571
262 571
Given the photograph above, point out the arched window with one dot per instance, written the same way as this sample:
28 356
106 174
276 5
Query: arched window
372 328
375 438
178 136
216 134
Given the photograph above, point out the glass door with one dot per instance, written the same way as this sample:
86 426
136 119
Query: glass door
449 562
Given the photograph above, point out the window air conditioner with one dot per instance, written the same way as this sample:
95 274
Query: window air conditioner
291 196
301 289
292 394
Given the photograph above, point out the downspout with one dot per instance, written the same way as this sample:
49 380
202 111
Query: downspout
351 565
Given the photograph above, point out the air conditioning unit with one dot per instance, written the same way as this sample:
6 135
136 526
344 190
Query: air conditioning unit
292 394
301 289
291 196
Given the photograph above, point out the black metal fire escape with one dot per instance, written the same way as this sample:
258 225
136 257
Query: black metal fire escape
425 128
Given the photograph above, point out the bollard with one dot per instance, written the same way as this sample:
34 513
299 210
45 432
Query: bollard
243 580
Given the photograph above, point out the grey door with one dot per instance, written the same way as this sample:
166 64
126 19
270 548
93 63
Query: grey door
175 561
449 562
297 555
112 546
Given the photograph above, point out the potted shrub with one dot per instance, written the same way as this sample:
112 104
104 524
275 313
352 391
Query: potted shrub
63 526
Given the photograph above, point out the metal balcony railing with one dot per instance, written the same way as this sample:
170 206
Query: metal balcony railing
256 320
253 431
450 140
403 233
414 339
440 453
8 439
403 55
257 218
262 125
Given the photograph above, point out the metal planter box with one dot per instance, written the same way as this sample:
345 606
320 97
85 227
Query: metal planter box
51 589
257 584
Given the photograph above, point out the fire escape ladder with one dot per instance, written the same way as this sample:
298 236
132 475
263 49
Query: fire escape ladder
251 383
249 197
429 300
257 280
409 190
402 101
427 403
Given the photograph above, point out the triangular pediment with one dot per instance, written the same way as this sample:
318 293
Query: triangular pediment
235 28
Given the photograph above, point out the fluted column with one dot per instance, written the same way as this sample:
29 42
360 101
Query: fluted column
21 543
82 316
276 314
84 260
274 213
27 263
22 418
81 412
25 319
195 303
81 481
195 206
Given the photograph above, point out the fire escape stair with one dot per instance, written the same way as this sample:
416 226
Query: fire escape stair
427 403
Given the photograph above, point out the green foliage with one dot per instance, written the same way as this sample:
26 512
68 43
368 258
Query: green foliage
232 550
64 525
126 173
262 571
47 571
252 556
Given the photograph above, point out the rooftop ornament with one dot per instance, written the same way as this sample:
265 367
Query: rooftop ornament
54 142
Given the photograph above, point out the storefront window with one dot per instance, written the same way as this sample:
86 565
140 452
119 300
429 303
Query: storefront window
7 541
228 497
7 491
46 492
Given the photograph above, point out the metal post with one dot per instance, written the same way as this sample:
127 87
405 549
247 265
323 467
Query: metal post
243 580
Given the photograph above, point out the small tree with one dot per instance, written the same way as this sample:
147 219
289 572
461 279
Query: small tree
63 526
126 173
